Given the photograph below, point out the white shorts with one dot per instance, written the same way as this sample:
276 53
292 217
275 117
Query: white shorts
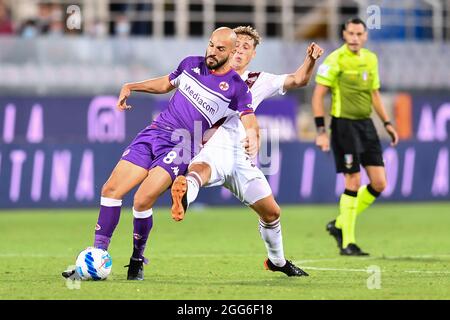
230 166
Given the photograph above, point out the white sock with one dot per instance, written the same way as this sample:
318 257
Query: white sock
109 202
271 234
194 182
142 214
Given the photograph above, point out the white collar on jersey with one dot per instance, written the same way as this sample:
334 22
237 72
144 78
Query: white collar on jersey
244 76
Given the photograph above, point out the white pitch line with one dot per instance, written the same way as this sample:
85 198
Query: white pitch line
424 256
32 255
186 255
299 262
367 270
334 269
329 259
429 256
417 271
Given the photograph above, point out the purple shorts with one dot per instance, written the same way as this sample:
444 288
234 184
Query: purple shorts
154 147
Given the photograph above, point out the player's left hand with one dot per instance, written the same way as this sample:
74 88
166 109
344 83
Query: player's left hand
314 51
393 133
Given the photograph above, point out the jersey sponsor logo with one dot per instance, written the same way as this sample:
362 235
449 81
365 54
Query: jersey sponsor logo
200 100
224 86
323 70
348 159
211 104
196 70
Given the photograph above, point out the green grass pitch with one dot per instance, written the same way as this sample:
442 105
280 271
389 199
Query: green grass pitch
217 253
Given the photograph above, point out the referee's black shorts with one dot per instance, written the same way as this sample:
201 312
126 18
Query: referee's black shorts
355 143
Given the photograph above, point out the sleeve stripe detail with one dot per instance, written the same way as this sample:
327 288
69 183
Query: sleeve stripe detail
243 113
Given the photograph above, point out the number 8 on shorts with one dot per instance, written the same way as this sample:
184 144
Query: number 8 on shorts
170 157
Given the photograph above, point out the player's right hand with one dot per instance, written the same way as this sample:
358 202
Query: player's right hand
323 141
122 101
314 51
393 134
251 145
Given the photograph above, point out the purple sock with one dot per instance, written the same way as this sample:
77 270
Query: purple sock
108 219
142 227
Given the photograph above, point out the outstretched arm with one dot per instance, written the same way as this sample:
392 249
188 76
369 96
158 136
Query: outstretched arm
382 114
301 77
156 85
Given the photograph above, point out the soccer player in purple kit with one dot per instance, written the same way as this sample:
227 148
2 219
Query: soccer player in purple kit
208 89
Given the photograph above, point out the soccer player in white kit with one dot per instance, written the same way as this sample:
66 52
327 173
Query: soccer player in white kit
226 157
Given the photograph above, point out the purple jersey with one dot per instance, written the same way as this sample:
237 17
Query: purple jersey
201 97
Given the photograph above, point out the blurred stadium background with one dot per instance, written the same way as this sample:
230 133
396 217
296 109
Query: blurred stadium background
62 64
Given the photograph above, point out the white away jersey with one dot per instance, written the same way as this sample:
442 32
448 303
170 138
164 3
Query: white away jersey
263 85
230 166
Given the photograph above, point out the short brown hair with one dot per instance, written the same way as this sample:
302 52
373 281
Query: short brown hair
355 21
249 31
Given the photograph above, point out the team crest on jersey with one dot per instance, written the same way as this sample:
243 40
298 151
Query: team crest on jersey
323 70
224 86
348 158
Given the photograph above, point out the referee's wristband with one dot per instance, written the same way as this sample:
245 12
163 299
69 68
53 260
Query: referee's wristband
387 123
320 122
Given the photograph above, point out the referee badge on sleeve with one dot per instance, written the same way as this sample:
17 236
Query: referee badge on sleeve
348 159
323 70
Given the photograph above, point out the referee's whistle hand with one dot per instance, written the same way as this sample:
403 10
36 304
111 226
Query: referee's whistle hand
323 142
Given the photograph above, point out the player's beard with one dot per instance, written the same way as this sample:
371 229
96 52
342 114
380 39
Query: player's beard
218 63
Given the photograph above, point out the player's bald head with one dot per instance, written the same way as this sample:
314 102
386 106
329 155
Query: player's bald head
224 34
222 46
